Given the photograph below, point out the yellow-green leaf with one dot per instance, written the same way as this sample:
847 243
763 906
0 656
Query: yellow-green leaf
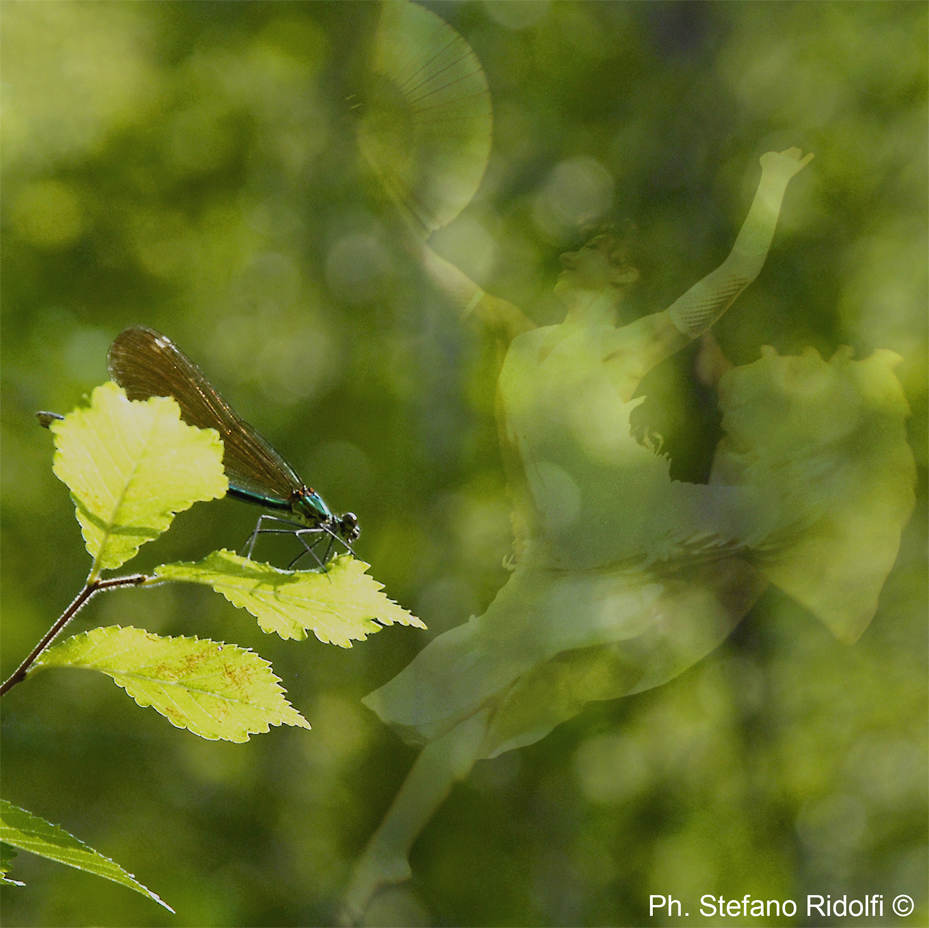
7 854
28 832
215 690
341 605
130 466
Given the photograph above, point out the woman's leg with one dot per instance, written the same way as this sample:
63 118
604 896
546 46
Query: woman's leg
439 766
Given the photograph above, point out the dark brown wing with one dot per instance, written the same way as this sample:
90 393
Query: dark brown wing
146 363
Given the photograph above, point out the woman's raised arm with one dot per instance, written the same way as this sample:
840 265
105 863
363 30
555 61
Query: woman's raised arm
655 337
504 319
706 301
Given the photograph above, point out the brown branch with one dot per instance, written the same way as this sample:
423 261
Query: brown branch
76 605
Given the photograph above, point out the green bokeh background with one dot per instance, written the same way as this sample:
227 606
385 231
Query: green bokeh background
192 166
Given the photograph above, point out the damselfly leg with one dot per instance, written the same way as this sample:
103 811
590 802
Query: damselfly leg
310 538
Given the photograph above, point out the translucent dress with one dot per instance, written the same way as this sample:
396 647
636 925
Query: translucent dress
625 577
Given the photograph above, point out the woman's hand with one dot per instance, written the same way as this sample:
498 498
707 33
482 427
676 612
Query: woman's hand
784 164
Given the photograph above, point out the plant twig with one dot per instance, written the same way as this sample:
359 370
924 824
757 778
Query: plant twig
92 588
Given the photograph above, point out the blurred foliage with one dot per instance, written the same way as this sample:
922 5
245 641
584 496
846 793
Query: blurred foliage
193 167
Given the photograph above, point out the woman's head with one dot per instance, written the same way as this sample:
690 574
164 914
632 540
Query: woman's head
604 261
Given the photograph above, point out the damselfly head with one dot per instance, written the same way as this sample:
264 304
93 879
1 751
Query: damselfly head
348 527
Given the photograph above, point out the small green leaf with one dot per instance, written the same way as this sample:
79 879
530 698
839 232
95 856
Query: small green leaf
217 691
338 606
130 466
7 854
30 833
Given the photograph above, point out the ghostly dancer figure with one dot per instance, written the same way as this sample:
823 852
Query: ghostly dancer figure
625 578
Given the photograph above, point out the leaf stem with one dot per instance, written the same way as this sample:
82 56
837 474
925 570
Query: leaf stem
78 603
